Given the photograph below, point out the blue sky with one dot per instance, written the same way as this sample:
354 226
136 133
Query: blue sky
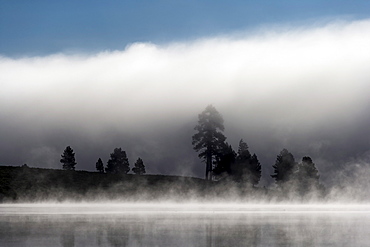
29 28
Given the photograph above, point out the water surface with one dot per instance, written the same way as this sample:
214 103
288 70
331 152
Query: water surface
123 224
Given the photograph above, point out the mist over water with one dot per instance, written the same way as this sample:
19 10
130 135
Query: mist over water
194 224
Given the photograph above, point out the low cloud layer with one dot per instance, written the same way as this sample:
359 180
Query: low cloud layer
301 88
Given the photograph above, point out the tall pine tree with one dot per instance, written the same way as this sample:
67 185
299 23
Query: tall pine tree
209 139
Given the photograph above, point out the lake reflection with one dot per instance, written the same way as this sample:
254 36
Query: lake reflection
183 225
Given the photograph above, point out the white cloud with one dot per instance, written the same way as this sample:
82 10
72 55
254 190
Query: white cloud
321 71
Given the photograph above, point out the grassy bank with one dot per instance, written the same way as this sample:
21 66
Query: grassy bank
24 184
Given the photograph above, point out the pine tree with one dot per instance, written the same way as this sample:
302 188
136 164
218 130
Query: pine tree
68 159
307 176
255 168
209 138
284 168
246 168
118 162
239 170
139 167
243 151
100 166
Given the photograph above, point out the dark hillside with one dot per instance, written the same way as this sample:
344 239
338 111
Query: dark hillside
24 184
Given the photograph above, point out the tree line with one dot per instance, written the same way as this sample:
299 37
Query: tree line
223 163
117 164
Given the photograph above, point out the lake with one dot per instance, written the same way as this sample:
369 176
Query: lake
171 224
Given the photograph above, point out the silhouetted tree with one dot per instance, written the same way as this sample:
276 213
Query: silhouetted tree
239 170
284 167
118 162
224 160
255 168
307 176
100 166
247 168
209 137
139 167
68 159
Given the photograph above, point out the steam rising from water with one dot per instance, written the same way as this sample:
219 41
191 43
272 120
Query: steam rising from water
177 208
184 225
